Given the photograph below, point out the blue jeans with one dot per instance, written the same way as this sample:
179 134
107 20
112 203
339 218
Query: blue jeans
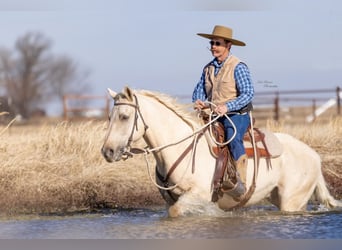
241 123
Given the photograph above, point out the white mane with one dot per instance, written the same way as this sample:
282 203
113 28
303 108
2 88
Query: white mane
184 111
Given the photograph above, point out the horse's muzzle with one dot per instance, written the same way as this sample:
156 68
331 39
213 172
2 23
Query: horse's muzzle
111 155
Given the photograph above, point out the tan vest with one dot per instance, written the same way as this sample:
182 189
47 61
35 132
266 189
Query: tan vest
222 87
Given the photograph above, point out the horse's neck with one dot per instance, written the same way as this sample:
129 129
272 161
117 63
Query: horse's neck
166 131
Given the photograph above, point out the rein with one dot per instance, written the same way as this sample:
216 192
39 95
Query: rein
130 152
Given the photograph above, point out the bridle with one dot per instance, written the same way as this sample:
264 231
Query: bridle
137 112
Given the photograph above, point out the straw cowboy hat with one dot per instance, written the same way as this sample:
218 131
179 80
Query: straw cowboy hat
223 32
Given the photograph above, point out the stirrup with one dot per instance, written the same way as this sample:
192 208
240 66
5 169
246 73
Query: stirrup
235 190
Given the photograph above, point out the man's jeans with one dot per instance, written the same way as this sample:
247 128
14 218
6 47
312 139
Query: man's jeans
241 122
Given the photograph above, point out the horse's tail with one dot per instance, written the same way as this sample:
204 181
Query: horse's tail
323 195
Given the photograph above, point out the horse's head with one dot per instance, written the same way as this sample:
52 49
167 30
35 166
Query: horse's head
124 126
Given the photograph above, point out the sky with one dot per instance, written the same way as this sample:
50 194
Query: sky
152 44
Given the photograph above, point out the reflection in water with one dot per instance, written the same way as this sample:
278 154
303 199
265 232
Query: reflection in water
261 223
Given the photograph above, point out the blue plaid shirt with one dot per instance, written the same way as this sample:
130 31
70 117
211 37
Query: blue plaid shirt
244 86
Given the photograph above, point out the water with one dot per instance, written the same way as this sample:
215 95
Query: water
256 223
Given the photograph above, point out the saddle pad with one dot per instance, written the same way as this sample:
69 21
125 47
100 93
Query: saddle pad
273 145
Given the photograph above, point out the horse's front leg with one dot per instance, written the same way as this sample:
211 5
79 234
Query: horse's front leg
179 207
175 210
193 203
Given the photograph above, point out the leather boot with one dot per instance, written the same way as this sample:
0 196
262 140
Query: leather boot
239 188
241 167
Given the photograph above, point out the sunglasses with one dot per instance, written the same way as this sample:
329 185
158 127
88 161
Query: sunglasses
216 43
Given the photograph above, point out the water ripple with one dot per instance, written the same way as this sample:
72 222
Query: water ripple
257 223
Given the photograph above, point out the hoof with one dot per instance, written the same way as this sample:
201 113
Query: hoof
174 211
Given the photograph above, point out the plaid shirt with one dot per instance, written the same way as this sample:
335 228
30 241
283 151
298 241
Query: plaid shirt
244 86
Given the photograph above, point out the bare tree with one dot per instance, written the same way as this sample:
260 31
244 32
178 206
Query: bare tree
32 76
63 71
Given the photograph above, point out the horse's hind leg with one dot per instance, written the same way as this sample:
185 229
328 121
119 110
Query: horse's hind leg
295 199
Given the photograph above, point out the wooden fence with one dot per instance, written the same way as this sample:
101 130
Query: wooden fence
298 105
85 106
292 106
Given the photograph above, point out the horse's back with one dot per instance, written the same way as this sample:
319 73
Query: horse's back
298 147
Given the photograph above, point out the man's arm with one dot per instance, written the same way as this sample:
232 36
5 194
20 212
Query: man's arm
244 87
199 91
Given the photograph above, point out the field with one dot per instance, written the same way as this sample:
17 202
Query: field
58 167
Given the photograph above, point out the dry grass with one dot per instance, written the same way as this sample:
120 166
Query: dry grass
59 168
51 169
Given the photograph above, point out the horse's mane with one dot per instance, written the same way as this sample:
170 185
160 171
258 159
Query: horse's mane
184 111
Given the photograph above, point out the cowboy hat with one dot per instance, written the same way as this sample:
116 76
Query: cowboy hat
223 32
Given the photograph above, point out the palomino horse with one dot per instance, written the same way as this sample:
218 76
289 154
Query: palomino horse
168 130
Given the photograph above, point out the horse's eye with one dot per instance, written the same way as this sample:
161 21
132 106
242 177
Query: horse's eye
123 117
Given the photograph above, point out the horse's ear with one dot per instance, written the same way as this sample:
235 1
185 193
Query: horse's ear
111 92
128 93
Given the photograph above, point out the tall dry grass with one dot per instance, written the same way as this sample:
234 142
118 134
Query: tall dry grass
59 168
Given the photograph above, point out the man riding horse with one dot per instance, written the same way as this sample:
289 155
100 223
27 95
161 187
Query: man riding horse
226 83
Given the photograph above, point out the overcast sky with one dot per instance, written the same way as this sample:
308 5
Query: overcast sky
152 44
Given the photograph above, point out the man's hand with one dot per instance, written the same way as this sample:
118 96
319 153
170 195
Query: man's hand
199 105
221 109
